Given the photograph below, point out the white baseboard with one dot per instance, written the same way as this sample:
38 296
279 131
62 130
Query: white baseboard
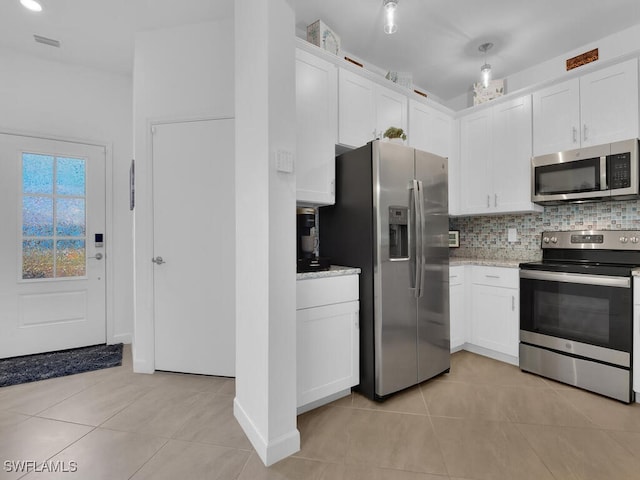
324 401
486 352
269 452
125 338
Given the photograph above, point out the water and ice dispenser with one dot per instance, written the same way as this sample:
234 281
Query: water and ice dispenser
398 233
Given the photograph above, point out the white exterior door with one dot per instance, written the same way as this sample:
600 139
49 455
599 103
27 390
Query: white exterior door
52 279
194 234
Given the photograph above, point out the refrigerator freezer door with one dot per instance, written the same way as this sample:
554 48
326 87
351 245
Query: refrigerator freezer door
433 301
395 303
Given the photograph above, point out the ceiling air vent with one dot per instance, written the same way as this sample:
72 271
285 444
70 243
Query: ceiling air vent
47 41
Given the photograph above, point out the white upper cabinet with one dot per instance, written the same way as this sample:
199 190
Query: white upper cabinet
556 118
609 104
316 129
476 185
366 109
356 117
391 110
599 107
429 129
495 159
512 156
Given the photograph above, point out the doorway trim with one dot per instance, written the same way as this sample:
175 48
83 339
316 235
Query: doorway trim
108 159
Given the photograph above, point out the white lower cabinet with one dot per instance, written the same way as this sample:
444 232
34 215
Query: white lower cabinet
494 306
484 311
636 337
457 312
327 339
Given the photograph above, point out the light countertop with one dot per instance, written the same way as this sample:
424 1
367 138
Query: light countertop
488 262
334 271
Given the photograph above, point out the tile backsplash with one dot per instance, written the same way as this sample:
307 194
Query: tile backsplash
486 236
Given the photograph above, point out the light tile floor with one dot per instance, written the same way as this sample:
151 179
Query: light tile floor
484 420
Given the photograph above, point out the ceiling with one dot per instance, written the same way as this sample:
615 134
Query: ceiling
437 40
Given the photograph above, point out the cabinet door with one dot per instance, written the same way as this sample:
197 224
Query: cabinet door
475 162
316 129
457 314
356 113
511 165
495 322
556 118
609 104
391 109
429 129
328 350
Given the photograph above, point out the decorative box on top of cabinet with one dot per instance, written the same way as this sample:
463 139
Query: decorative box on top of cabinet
596 108
328 339
316 129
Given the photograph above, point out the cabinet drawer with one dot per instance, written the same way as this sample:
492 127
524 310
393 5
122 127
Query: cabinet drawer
496 276
315 292
456 275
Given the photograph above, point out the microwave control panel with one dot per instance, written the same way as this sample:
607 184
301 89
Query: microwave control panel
619 167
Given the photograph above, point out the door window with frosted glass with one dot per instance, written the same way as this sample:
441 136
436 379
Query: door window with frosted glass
53 217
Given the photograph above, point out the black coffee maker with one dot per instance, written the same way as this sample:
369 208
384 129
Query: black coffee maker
308 260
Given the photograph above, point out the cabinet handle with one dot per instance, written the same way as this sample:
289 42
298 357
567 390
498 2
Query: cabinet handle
453 276
575 135
584 136
495 200
488 201
492 276
513 303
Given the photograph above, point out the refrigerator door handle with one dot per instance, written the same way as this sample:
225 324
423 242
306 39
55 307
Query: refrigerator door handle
416 241
423 259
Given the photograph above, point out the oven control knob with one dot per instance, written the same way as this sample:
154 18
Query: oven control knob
634 239
545 239
624 239
554 239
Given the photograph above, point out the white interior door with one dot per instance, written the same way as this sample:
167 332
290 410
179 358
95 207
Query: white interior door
194 234
52 275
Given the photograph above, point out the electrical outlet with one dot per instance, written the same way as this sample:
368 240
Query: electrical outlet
512 235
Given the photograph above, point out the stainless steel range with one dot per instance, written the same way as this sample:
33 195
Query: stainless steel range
576 310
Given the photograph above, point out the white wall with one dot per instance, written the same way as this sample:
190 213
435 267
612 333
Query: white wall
70 102
619 46
180 73
265 403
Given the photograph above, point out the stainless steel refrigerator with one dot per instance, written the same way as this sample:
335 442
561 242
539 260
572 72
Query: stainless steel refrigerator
391 219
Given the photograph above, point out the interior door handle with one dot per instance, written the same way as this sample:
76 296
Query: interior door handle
97 256
158 260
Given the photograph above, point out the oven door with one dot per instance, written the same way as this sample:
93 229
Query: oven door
583 315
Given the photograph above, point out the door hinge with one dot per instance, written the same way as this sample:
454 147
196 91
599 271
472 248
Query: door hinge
153 129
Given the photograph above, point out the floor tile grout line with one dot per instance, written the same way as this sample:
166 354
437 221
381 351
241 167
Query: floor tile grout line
435 433
535 452
149 459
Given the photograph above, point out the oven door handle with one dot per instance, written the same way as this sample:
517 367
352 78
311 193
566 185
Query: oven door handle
600 280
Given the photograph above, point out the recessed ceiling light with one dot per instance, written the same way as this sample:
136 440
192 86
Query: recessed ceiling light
31 5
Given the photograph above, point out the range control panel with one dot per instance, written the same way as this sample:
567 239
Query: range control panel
593 239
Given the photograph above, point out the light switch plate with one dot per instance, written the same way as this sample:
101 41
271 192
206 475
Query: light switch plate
512 235
284 161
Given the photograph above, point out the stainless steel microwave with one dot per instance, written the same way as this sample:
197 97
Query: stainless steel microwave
587 174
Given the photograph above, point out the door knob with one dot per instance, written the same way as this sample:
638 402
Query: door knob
98 256
158 260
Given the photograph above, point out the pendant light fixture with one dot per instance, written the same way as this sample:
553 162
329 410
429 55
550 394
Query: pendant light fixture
31 5
390 16
485 70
